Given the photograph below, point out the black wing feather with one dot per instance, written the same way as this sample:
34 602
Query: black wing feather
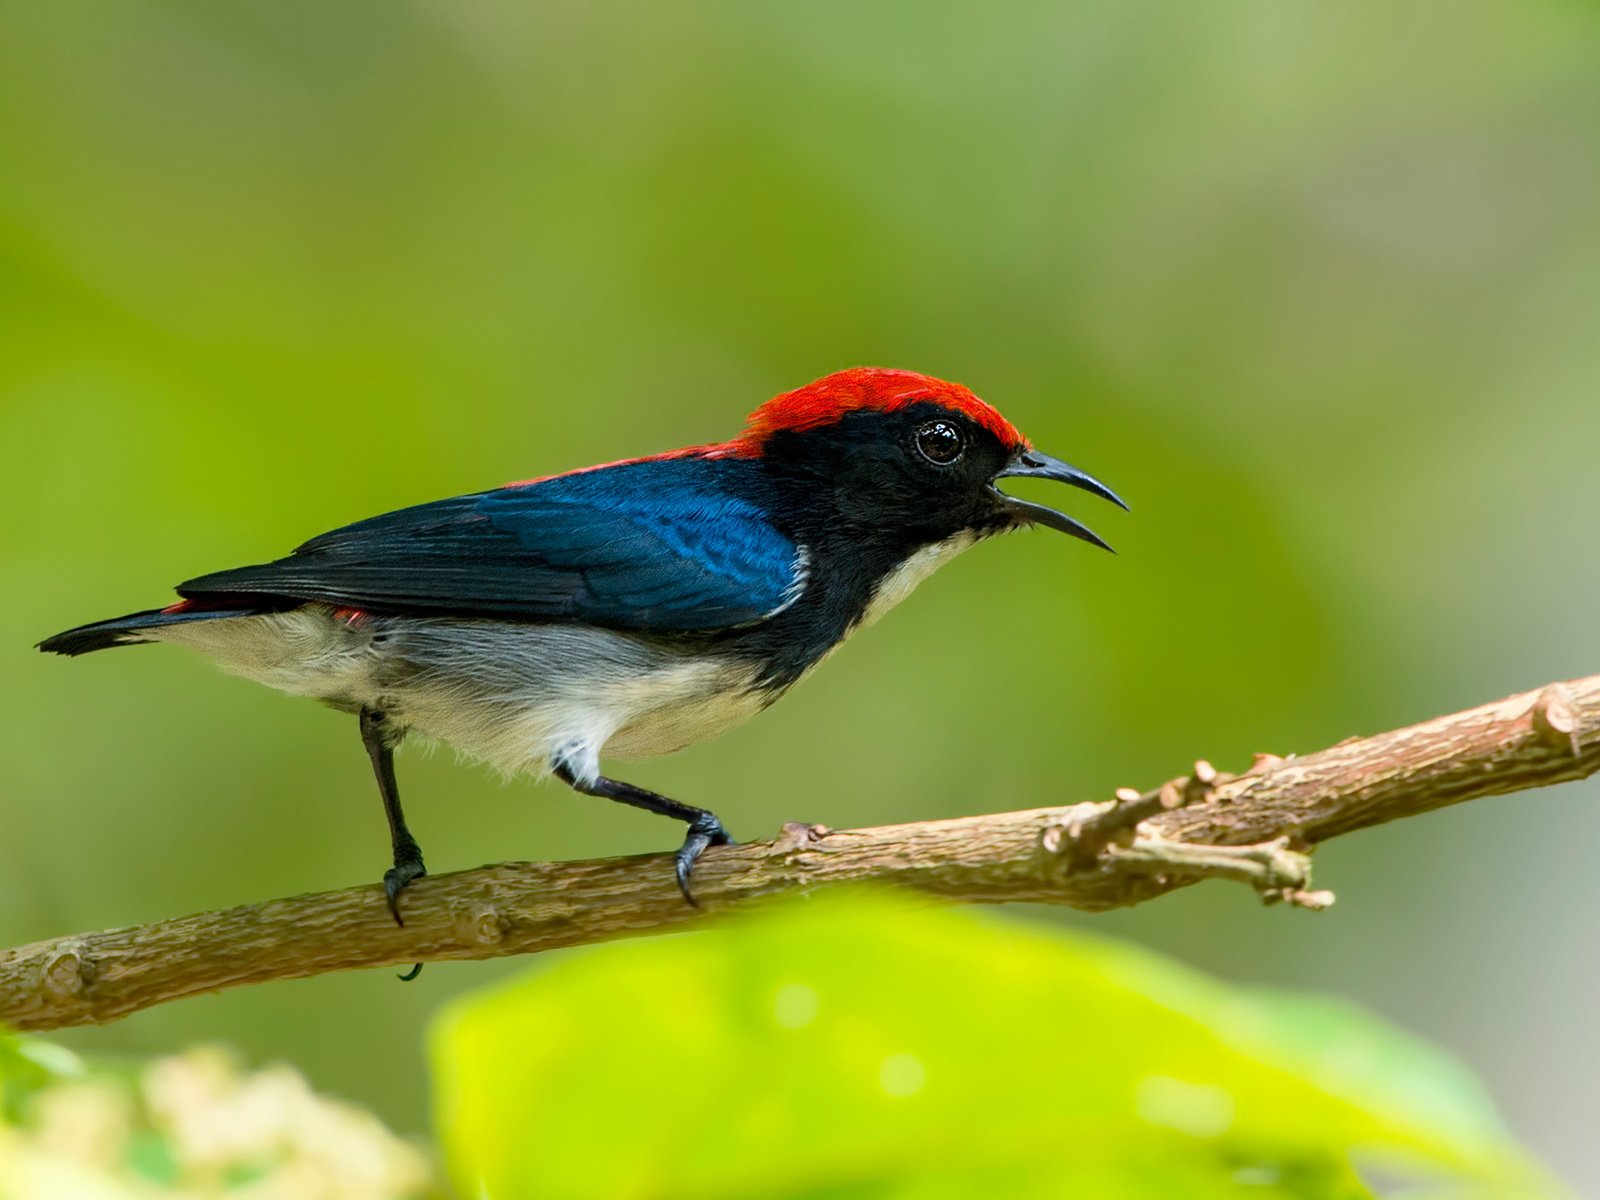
656 545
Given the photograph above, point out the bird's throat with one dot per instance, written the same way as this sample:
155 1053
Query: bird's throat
912 570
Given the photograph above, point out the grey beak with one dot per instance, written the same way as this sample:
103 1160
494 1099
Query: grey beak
1034 464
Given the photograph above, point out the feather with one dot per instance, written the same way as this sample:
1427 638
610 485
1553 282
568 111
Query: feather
673 545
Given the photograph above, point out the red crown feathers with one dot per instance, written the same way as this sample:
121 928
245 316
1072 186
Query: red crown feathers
881 388
829 399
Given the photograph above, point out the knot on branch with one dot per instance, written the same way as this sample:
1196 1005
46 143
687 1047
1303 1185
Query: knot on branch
487 926
1555 720
66 975
797 836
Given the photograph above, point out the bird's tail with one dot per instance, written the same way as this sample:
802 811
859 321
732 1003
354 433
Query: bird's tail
131 629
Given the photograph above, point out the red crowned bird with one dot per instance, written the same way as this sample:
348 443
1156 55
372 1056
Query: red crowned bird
625 610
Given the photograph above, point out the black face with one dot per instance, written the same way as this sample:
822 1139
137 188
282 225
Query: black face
863 494
917 475
921 473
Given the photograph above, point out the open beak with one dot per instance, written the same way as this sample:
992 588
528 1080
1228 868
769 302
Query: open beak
1033 464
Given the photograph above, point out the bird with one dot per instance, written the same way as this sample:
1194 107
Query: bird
625 610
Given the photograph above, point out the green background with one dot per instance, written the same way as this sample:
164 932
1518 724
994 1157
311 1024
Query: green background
1315 286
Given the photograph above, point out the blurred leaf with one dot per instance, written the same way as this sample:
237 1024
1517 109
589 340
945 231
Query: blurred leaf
1329 1042
27 1066
860 1048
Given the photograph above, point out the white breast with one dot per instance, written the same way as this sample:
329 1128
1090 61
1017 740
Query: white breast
900 582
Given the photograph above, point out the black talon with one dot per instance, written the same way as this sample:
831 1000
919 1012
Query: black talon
705 830
380 739
704 827
395 879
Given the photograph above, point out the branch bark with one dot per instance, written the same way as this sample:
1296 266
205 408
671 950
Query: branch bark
1257 828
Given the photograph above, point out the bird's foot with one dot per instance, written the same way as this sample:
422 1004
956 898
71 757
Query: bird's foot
396 878
705 830
406 868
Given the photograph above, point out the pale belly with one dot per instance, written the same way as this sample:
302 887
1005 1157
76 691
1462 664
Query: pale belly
515 696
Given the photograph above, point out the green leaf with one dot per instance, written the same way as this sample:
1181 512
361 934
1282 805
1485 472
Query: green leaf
27 1066
857 1047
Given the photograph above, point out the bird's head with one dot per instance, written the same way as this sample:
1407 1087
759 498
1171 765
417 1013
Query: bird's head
900 449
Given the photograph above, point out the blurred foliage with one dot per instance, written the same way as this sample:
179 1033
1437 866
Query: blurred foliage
1312 284
862 1048
188 1127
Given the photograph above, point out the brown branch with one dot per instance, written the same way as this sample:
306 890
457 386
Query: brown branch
1256 828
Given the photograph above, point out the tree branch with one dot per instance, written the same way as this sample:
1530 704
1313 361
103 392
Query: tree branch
1256 828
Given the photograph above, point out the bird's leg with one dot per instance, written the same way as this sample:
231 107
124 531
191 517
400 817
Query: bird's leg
380 739
704 827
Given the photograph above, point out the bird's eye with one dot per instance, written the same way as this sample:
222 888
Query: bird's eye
940 443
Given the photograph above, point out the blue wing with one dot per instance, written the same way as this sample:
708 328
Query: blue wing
660 545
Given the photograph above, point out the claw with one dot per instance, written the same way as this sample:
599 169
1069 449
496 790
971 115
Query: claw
395 880
705 830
